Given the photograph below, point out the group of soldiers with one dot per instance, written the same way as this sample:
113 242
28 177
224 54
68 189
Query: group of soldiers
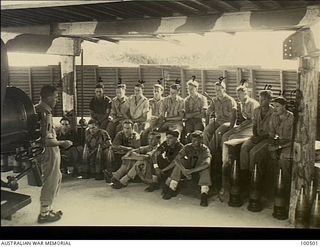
164 140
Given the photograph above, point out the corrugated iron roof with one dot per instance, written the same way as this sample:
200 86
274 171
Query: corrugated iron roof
24 14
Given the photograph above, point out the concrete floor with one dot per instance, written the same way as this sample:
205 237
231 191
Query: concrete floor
95 203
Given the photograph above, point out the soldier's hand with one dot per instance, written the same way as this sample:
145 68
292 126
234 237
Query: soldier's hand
66 144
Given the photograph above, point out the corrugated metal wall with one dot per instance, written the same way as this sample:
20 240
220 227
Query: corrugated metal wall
32 79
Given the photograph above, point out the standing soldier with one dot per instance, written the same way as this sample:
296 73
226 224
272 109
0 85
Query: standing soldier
255 149
172 110
119 110
154 104
139 107
50 159
281 125
95 139
224 109
193 158
100 107
196 106
242 131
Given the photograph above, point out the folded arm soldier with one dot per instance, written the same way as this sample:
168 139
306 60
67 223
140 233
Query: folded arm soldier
193 158
50 159
281 125
136 162
242 131
254 150
162 160
225 113
100 107
196 106
72 155
172 110
119 110
97 144
125 141
154 105
139 107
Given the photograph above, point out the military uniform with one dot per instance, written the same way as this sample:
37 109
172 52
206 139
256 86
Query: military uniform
119 112
137 108
244 130
50 160
92 141
197 104
72 155
190 158
254 150
122 140
100 110
171 107
223 109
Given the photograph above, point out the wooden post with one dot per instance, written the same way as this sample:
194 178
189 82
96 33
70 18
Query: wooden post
224 73
183 84
30 82
282 86
139 73
252 82
303 168
203 80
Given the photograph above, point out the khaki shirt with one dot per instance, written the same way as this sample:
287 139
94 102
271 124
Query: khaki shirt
223 108
247 108
262 124
198 103
172 107
282 127
46 122
100 137
138 107
155 106
122 140
119 108
196 157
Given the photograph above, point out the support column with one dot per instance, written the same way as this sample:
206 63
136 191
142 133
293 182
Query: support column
304 151
69 94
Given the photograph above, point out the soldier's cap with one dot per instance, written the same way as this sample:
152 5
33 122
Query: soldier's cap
280 100
121 85
158 86
140 84
197 134
175 86
266 93
93 121
193 83
174 133
99 85
221 82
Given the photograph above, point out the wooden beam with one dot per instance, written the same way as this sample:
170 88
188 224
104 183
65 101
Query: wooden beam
203 5
226 4
229 22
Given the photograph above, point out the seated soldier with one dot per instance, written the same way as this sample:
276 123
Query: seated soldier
154 105
193 158
125 141
162 159
97 144
254 150
119 110
172 110
72 155
138 107
242 131
136 162
196 106
281 125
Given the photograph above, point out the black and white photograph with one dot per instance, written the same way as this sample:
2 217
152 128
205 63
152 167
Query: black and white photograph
201 114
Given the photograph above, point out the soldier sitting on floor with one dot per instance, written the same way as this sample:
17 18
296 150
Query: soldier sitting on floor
125 141
136 162
162 159
70 157
97 144
193 158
